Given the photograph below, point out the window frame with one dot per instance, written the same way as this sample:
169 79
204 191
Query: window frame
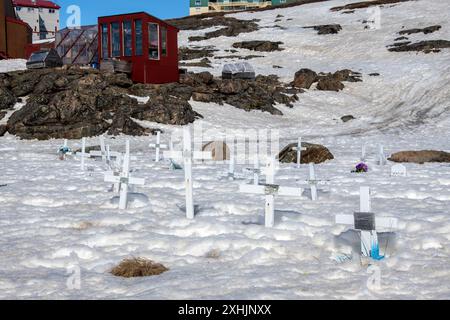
112 53
139 52
158 41
124 47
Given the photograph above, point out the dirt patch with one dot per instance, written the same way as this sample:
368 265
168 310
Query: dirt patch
239 57
138 267
366 4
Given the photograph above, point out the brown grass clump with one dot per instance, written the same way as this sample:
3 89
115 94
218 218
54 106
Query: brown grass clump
138 267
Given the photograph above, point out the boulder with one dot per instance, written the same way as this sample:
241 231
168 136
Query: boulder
262 46
330 84
7 99
171 111
347 75
420 156
3 130
123 124
304 78
218 149
315 153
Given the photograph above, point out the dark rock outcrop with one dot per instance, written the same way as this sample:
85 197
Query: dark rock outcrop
315 153
426 30
366 4
326 28
7 99
304 78
256 45
420 156
3 130
73 103
195 53
330 84
422 46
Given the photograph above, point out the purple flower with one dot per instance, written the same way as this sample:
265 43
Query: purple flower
362 167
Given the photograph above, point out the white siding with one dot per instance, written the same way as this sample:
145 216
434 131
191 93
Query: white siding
32 16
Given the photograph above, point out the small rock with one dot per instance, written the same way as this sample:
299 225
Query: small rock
347 118
263 46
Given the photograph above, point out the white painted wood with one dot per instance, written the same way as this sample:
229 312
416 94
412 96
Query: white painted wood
398 170
381 155
363 152
270 190
158 146
188 157
312 182
124 180
299 150
369 238
83 155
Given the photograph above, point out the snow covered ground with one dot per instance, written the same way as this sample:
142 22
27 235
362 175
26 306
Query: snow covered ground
53 217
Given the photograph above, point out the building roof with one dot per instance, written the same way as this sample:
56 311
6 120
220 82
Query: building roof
139 13
36 4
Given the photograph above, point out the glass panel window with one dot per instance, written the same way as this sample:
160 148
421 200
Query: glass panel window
138 39
127 39
115 39
105 50
164 41
153 37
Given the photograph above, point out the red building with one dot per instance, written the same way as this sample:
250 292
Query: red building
15 35
149 44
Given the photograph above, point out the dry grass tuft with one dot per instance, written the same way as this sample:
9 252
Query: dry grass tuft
138 267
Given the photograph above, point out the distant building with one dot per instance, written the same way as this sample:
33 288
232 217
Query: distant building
143 43
41 15
205 6
15 35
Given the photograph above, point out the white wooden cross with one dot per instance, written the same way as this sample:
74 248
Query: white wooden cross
256 170
188 156
103 153
299 150
381 155
366 222
158 146
83 153
270 190
363 152
123 179
398 170
313 181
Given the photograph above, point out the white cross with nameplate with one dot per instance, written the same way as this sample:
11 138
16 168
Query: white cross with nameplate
299 150
270 190
123 179
158 146
366 222
188 156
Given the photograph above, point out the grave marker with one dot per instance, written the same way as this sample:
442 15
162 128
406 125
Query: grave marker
381 155
270 190
299 150
83 154
398 170
124 179
188 156
157 146
313 181
103 152
366 222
